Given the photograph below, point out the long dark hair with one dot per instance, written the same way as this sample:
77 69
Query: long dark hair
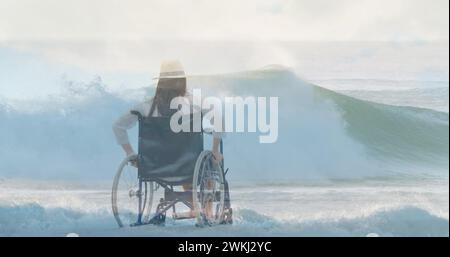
166 90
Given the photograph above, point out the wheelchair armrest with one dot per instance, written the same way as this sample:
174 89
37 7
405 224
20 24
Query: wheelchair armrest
138 114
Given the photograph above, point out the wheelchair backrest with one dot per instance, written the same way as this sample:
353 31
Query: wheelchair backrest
166 156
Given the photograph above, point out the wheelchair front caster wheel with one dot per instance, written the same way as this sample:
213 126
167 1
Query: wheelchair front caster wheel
227 217
158 220
203 222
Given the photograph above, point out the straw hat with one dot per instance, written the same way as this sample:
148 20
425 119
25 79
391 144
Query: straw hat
171 69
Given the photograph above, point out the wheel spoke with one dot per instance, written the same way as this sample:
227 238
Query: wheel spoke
126 194
209 189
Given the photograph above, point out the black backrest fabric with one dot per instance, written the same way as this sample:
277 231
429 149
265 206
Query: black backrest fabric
166 156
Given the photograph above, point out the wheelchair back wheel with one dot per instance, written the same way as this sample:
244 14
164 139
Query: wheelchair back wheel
131 198
208 190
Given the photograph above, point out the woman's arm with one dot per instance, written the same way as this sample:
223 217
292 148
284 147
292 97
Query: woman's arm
217 135
120 127
216 151
217 138
125 122
128 149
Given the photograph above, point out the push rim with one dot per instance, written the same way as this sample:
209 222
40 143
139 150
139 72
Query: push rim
125 195
208 190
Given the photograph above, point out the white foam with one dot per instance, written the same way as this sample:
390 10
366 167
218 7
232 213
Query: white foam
338 209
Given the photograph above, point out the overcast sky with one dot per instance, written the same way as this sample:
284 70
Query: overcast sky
225 19
125 41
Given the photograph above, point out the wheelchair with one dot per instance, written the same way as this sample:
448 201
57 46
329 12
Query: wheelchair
167 160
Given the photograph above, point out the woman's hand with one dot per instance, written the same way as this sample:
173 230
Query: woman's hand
129 152
134 162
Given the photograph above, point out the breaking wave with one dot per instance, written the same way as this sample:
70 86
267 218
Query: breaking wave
393 132
322 134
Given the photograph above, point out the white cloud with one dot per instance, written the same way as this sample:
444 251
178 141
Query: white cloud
226 19
135 35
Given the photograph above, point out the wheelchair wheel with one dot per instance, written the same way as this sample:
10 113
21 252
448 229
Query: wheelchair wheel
208 190
131 199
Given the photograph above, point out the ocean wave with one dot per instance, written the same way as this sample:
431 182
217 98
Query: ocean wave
322 134
403 221
434 98
397 133
33 219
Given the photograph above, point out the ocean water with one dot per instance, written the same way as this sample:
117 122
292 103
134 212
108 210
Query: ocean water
346 163
423 94
339 208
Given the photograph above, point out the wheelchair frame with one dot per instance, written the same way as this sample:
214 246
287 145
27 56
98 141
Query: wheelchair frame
172 197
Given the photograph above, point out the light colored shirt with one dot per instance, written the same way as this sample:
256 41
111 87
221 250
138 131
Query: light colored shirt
128 120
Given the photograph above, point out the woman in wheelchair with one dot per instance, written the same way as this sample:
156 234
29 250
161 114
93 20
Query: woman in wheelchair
167 159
